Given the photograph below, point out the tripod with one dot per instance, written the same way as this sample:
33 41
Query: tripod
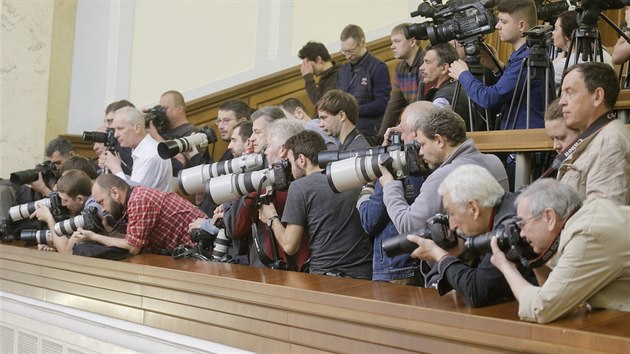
472 49
538 68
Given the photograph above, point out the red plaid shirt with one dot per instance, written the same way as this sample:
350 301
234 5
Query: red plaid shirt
158 220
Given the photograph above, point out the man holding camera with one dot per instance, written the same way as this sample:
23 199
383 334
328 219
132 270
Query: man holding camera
515 17
338 113
441 134
476 204
591 264
338 245
149 169
376 222
157 222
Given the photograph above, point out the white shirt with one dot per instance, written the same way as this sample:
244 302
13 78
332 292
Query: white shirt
149 169
558 64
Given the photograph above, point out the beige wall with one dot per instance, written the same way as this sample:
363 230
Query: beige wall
36 57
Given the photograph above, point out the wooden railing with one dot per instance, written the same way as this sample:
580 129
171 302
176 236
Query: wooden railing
273 311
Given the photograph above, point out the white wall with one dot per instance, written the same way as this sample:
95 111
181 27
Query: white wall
201 47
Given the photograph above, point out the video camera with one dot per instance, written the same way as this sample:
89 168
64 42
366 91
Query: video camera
88 220
47 168
193 180
548 11
589 10
516 249
437 230
458 19
157 115
169 148
53 202
230 187
358 170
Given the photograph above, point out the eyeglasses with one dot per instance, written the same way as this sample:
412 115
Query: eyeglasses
223 121
520 222
350 51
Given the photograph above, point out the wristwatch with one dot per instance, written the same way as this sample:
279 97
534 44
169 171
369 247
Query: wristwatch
271 219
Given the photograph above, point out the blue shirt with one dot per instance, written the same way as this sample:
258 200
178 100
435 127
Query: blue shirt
500 94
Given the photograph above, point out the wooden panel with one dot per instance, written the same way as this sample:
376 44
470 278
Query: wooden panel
277 311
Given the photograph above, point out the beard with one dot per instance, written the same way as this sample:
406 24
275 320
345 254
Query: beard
116 211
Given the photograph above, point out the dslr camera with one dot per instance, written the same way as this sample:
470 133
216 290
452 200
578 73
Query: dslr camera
458 19
47 168
356 171
157 115
108 139
194 179
327 156
217 242
169 148
230 187
437 230
88 220
53 202
516 249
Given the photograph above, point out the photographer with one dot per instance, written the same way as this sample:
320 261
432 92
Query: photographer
123 153
444 146
278 133
149 169
157 222
338 245
75 192
338 113
377 223
592 253
476 204
515 17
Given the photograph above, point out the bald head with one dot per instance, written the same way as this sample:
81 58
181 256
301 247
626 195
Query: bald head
411 115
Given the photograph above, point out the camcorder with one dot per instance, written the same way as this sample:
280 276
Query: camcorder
194 179
589 10
230 187
516 249
47 168
458 19
157 115
548 11
88 220
35 237
53 202
437 230
169 148
356 171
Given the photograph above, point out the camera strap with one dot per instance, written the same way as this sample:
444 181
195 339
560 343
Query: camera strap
598 125
354 133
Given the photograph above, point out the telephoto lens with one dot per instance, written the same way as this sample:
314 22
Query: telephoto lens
88 220
35 237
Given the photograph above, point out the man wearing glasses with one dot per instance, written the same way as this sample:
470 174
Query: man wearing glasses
590 244
231 113
476 204
366 78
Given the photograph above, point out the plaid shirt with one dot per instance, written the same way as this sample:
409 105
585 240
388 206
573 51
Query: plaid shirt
159 220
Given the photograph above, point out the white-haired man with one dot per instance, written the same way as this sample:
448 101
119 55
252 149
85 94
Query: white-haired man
149 169
476 204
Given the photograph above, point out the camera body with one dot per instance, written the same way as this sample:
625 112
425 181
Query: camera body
356 171
516 249
88 220
458 19
169 148
47 168
203 238
157 115
194 179
107 138
549 11
437 230
230 187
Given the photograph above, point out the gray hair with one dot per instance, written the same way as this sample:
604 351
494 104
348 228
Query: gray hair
471 182
281 130
414 112
549 193
269 113
131 115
